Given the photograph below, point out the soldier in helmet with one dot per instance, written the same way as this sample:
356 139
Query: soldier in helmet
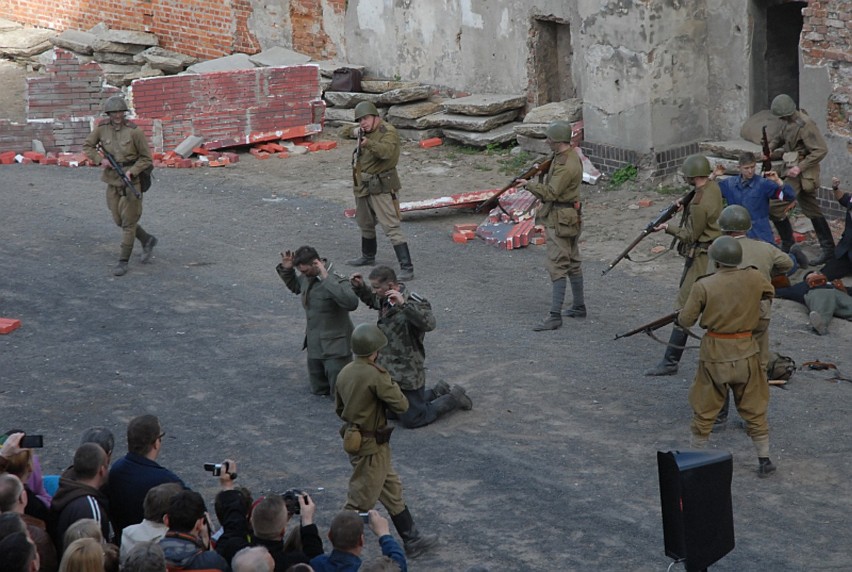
729 305
700 228
376 186
561 215
802 147
126 142
363 391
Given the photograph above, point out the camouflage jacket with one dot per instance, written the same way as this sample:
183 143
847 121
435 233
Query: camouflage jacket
405 326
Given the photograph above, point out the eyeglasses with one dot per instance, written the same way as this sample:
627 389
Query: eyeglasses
163 434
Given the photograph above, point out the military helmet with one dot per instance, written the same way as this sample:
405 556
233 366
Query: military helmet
559 131
783 105
726 251
365 108
115 103
367 338
735 218
696 166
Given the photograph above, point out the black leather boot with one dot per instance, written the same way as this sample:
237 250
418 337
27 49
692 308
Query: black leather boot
826 241
669 363
368 253
785 231
415 543
406 268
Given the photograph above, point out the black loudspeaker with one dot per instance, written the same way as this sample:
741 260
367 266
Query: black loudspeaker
698 518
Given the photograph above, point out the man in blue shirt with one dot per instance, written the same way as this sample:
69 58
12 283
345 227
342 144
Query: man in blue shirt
347 537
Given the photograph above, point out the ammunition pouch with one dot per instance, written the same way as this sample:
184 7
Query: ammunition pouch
567 220
386 182
382 435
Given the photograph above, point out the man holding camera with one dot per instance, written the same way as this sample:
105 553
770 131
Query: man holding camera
187 542
347 537
364 390
327 298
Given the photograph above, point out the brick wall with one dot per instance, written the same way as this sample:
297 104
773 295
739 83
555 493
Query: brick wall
203 28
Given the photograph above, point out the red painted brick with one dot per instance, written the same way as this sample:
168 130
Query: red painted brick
8 325
433 142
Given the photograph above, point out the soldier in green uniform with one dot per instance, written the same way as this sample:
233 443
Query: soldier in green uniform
376 187
327 298
126 142
729 305
802 147
364 391
699 229
560 213
404 318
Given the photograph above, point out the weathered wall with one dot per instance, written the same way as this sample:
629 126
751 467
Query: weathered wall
730 31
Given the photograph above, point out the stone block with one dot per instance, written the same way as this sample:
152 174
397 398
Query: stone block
484 104
227 63
38 147
75 40
348 99
569 110
533 145
279 56
146 72
383 85
480 123
185 148
101 45
327 67
497 136
414 110
25 42
114 58
168 61
346 114
130 37
419 134
404 94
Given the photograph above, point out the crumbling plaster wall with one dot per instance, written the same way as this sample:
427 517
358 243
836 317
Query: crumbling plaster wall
730 29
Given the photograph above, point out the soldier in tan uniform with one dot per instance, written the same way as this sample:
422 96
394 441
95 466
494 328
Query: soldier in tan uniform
376 187
729 305
700 228
802 147
560 213
363 391
127 143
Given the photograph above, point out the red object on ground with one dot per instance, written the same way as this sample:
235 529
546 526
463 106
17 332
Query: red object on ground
433 142
8 325
7 158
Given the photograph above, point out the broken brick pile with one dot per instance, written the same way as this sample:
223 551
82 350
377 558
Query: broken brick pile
512 226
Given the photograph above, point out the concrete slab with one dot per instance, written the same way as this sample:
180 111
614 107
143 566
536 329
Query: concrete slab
728 149
484 104
227 63
167 60
414 110
532 144
185 147
279 56
497 136
348 98
404 95
383 85
327 67
145 72
25 42
479 124
419 134
9 25
75 40
346 114
101 45
570 110
114 58
130 37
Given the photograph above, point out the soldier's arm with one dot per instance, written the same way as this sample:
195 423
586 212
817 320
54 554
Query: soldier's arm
688 315
366 295
782 263
90 146
817 147
695 224
341 292
338 404
388 391
565 178
768 290
418 311
288 275
385 146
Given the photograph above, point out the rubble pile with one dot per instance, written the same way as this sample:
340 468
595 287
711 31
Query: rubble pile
530 133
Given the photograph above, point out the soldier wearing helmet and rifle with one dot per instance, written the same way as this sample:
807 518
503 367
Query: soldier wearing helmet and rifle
362 393
561 215
127 165
699 229
376 186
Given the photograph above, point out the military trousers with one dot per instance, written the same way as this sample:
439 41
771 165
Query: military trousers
420 410
751 395
563 255
373 479
126 211
828 303
381 210
322 373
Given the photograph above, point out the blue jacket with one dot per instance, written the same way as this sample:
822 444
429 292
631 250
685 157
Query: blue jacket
754 195
339 561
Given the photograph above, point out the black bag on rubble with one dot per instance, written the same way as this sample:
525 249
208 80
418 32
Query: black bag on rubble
780 367
345 79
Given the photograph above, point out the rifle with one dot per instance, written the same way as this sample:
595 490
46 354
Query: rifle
118 169
665 214
650 326
356 157
528 174
767 163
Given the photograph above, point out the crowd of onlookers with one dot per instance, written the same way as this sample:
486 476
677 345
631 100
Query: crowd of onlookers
134 515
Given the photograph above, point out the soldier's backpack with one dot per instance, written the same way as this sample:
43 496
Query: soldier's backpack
146 178
780 367
345 79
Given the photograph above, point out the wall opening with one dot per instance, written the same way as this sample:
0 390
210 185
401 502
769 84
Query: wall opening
550 62
775 50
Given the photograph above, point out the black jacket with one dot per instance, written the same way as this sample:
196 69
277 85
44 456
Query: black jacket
74 501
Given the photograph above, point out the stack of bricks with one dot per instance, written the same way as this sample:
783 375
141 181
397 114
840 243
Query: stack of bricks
516 229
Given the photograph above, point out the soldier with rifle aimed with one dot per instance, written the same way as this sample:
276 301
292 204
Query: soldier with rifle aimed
537 170
127 167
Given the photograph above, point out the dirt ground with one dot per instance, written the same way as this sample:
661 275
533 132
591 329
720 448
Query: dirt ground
553 469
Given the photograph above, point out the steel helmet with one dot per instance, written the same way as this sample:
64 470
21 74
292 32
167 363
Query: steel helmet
559 131
735 218
726 251
115 103
783 105
696 166
367 338
365 108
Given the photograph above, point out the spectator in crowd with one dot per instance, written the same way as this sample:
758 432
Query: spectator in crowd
13 499
145 557
22 464
380 564
100 436
347 537
18 553
132 476
83 528
10 523
152 527
253 559
186 545
82 497
83 555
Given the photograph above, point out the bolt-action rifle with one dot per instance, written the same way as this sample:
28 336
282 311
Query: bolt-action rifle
665 215
766 166
650 326
536 169
120 170
356 159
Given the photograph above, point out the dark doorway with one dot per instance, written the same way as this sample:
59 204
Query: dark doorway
550 73
775 50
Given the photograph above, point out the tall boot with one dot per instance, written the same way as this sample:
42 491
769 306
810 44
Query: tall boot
826 241
369 246
669 363
406 268
457 398
554 320
578 304
785 231
415 543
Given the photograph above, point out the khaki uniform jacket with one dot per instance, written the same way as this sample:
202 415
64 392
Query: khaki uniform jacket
728 303
561 185
327 305
362 392
378 161
803 136
126 143
702 218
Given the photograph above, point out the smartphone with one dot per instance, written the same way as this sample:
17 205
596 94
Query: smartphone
32 442
365 516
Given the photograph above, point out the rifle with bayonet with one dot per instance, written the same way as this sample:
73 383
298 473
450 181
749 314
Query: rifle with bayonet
536 169
118 169
665 215
651 326
356 159
766 166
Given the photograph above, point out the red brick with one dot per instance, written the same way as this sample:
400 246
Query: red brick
433 142
8 325
326 145
459 237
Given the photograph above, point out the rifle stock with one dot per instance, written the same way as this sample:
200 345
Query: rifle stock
528 174
767 163
356 156
118 169
665 215
650 326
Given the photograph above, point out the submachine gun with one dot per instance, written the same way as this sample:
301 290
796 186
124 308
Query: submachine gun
120 170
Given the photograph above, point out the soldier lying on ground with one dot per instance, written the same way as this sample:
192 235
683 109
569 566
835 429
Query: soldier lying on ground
823 299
